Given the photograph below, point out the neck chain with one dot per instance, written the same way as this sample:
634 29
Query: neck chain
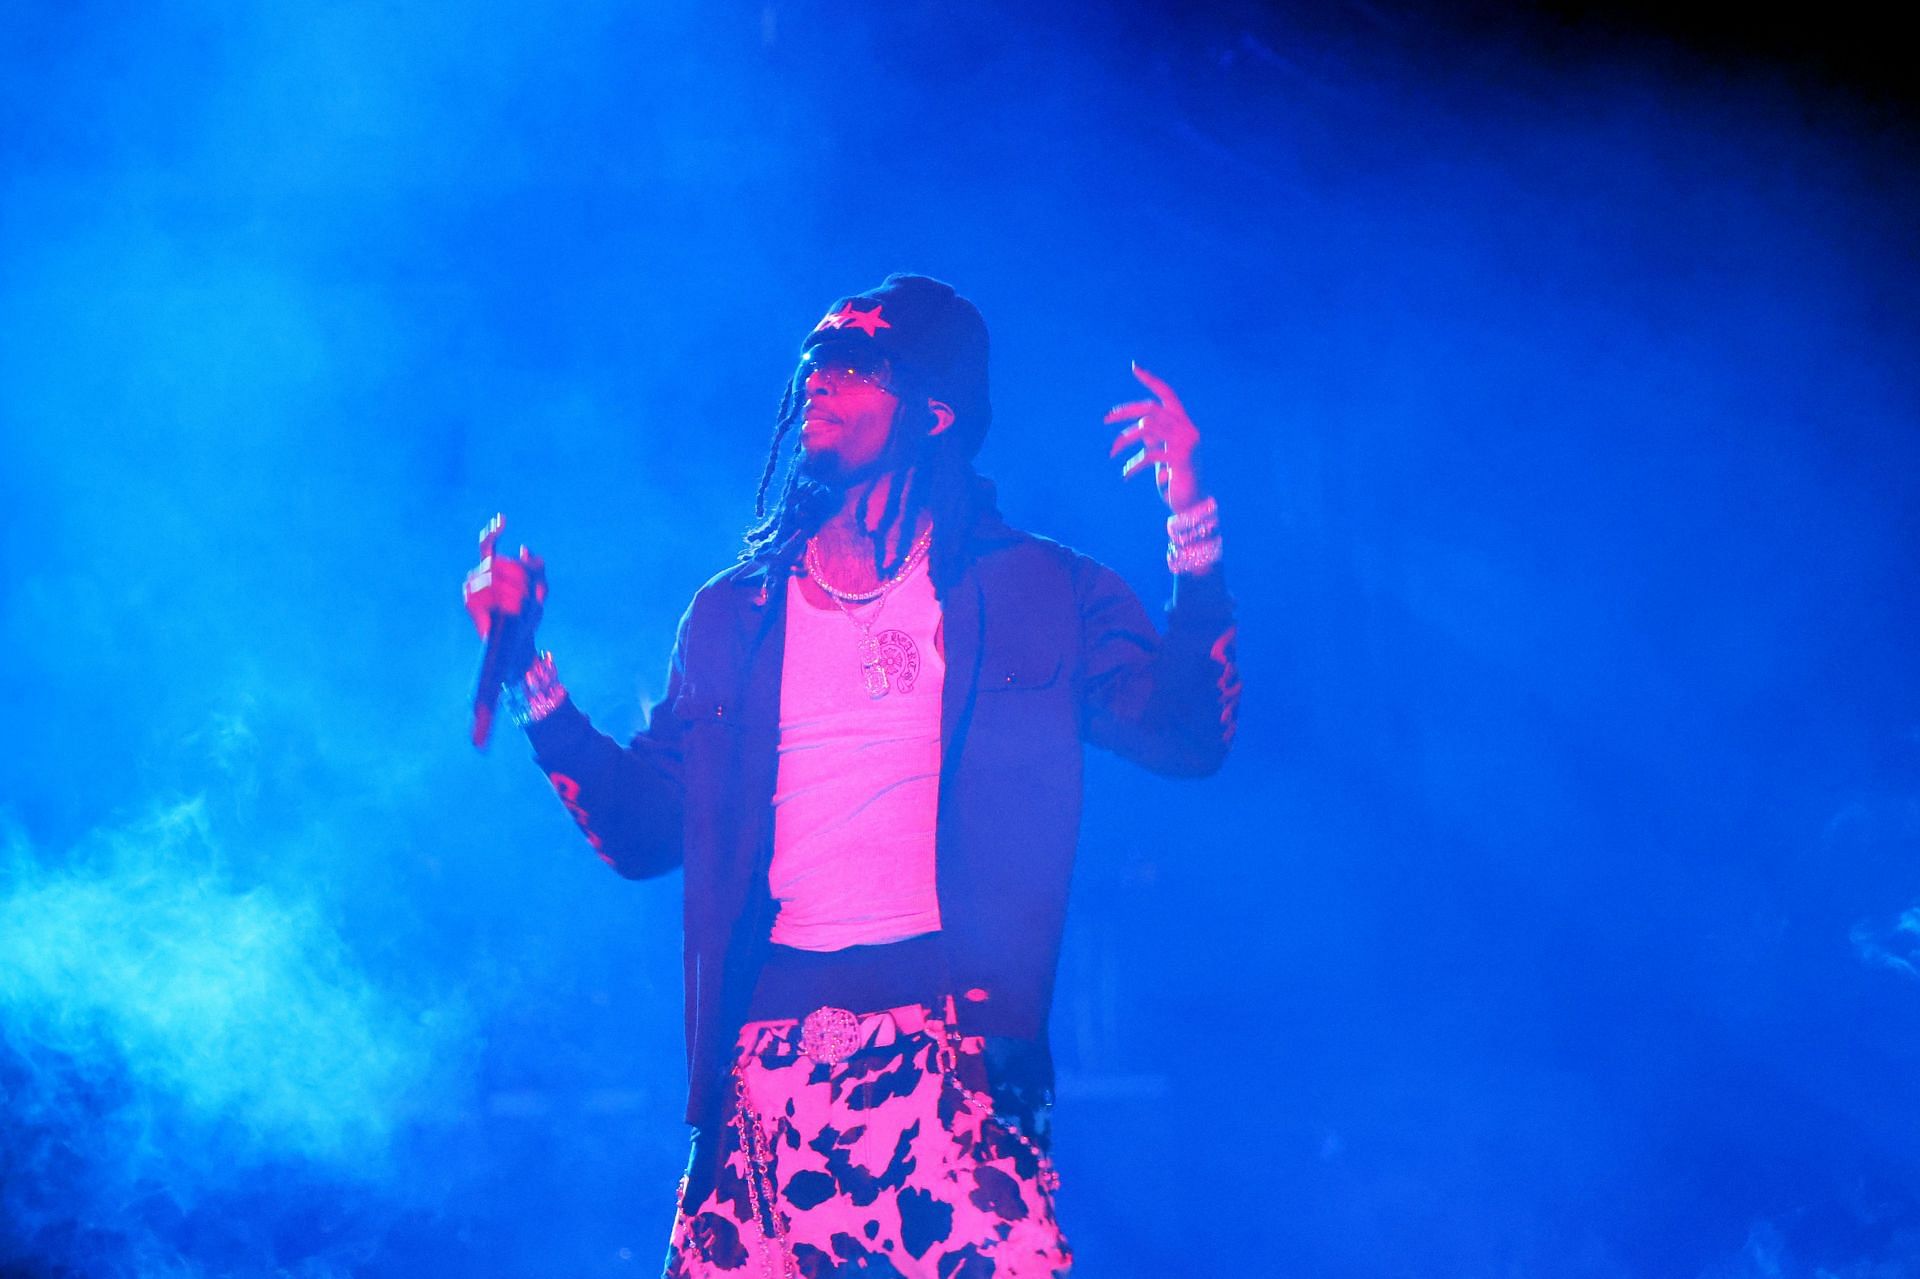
914 552
873 666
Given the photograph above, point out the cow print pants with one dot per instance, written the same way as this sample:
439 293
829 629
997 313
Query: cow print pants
884 1164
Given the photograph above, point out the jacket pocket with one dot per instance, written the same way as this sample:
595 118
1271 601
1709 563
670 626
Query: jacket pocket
696 705
1013 671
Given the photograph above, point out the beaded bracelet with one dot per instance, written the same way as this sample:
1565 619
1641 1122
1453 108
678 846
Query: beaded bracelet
1193 557
1196 521
1193 538
535 695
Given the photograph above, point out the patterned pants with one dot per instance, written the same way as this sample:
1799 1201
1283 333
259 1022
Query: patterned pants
883 1164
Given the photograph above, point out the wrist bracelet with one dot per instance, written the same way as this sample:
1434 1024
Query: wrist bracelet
1196 521
1193 557
1198 533
535 695
1193 538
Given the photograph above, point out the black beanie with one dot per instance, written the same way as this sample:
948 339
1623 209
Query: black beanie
922 325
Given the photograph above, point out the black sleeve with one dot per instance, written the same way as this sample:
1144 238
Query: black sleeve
627 800
1167 702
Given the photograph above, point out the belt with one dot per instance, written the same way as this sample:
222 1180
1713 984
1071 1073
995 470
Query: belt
859 979
830 1034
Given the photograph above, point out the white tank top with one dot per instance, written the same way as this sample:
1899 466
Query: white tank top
858 789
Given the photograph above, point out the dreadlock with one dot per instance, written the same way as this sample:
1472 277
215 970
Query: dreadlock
945 486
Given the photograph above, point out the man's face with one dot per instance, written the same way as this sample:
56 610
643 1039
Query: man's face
848 418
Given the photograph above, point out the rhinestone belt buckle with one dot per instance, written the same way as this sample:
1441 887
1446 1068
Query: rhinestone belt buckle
830 1035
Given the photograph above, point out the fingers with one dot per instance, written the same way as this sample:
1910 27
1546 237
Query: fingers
511 584
1164 397
477 594
1161 435
1159 388
500 585
1132 408
1157 448
1152 453
536 570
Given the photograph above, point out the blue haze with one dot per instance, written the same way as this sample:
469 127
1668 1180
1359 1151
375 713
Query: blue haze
1556 914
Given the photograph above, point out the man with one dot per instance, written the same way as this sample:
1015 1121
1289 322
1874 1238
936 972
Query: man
868 762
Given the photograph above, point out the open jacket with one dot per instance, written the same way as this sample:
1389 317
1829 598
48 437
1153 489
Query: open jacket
1045 649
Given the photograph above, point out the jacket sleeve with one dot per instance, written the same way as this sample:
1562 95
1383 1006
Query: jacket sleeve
627 800
1168 702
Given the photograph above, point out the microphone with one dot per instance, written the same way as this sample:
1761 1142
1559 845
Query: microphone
486 692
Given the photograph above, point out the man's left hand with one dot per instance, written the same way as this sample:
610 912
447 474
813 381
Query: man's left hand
1161 433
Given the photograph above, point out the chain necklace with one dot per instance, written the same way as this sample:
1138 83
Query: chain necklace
873 672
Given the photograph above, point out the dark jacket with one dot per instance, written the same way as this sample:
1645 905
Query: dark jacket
1045 649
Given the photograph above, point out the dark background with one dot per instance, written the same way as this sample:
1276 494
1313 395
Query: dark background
1558 913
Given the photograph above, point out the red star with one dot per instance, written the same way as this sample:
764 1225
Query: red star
868 322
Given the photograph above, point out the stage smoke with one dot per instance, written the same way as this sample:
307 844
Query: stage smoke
186 1059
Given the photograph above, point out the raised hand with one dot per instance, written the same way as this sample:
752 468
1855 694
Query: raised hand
1162 434
505 587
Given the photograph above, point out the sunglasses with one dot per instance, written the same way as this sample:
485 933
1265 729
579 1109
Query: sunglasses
846 370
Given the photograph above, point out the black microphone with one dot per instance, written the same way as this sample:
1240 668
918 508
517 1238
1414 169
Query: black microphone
486 693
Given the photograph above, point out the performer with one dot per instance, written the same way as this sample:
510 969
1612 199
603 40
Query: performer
868 762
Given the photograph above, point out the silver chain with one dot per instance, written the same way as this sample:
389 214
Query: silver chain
873 675
762 1192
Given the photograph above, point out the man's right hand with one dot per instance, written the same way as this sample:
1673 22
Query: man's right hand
504 586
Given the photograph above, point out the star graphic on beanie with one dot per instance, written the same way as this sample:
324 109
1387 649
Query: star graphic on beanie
868 322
